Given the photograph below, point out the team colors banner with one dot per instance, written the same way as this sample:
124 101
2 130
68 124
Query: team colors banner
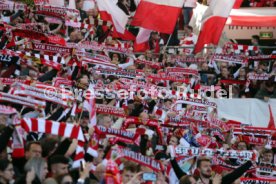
12 6
59 81
30 34
197 102
163 19
120 134
258 114
255 76
253 140
214 20
37 27
165 77
22 100
118 73
58 12
100 130
193 151
182 71
86 45
117 153
51 48
7 110
253 16
257 131
52 127
121 50
261 57
7 58
229 58
106 109
185 59
256 181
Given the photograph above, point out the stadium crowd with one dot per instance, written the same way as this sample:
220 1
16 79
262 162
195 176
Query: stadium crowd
149 121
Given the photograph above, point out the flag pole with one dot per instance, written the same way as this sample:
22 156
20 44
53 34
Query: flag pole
164 49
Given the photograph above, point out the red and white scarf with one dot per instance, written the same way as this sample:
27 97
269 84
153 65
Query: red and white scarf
255 76
57 128
42 94
22 100
90 105
164 77
59 81
182 71
197 102
228 58
192 151
86 45
119 153
49 58
256 181
256 131
118 73
51 48
130 137
106 109
52 127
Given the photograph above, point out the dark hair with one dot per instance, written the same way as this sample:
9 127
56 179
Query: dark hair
256 37
58 159
189 27
167 100
269 82
203 159
29 144
267 151
161 155
119 56
48 145
132 167
4 164
185 179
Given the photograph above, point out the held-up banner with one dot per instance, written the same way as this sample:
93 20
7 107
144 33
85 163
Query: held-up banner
193 151
8 59
51 48
117 153
253 112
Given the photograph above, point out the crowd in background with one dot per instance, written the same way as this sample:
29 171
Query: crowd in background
48 157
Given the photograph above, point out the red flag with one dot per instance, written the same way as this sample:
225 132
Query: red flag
271 123
125 36
109 11
213 22
158 15
90 105
237 4
141 43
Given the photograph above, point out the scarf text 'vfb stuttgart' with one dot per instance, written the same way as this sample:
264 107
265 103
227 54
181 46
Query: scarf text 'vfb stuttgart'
118 153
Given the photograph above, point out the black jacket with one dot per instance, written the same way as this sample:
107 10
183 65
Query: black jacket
227 179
